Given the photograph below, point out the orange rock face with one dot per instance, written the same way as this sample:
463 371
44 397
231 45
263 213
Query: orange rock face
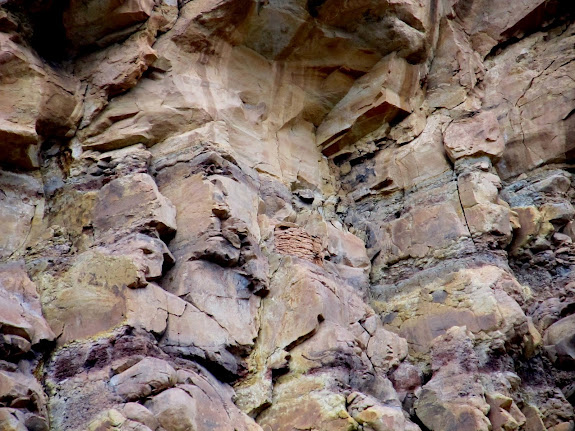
283 215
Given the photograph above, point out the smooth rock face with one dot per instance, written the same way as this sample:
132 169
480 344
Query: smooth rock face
148 376
475 136
133 202
271 215
560 337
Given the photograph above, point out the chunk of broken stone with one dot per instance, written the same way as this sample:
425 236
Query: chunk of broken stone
147 377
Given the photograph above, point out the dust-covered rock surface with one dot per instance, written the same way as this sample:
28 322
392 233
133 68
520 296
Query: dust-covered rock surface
284 215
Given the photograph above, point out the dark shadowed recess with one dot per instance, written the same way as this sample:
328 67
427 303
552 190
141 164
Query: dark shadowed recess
42 26
313 6
549 14
542 16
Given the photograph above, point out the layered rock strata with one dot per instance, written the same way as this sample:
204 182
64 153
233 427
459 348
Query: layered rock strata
287 215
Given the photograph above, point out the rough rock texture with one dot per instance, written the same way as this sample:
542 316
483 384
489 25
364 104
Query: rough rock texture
287 215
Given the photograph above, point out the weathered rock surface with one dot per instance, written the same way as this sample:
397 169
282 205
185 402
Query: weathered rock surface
453 399
22 324
381 96
37 102
276 215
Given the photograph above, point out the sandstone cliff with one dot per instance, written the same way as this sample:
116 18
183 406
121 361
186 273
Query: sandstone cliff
287 215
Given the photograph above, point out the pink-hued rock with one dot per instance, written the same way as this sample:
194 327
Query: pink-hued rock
456 68
147 377
453 399
131 203
379 97
487 26
198 404
488 217
475 136
535 113
22 324
20 202
424 229
559 340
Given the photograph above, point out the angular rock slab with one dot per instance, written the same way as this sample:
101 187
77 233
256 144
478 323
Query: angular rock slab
433 223
559 341
22 324
221 293
35 103
312 322
198 402
378 97
147 377
131 203
89 22
535 110
399 168
475 136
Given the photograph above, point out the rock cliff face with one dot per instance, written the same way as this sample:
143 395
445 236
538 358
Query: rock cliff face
287 215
